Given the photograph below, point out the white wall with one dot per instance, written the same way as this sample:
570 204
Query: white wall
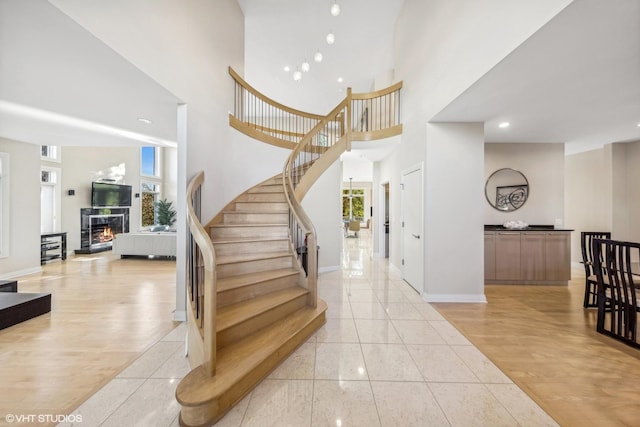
441 48
454 236
187 48
588 201
543 166
323 204
631 156
80 167
602 193
24 229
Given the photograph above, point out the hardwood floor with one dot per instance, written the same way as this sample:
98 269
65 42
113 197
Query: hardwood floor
105 313
542 338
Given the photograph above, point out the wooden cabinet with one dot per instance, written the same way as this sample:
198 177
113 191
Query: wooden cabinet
527 257
532 256
558 256
508 255
489 256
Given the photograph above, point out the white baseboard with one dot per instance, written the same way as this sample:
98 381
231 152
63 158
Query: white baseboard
180 315
328 269
394 269
471 298
18 273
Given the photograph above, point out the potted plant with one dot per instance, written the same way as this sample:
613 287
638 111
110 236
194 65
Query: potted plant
165 213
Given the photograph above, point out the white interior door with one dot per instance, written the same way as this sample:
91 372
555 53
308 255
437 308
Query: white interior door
50 200
47 208
412 238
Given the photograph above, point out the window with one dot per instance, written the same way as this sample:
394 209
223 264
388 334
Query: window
50 153
150 186
150 161
150 193
353 206
4 205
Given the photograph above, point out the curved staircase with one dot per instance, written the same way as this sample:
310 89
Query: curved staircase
262 305
251 301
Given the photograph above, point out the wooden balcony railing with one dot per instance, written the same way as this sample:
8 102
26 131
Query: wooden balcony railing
267 120
367 116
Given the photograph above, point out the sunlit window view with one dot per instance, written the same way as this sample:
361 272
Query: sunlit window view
149 197
353 204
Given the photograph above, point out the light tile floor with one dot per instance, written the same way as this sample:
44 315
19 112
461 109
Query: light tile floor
384 358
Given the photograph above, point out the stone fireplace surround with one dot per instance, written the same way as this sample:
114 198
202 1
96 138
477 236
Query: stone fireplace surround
98 226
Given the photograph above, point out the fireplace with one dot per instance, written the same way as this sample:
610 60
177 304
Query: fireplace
99 226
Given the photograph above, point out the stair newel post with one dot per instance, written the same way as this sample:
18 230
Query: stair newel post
348 133
210 323
312 268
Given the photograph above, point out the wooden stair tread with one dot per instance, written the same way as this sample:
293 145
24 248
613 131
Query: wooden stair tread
257 212
239 360
232 282
248 239
232 259
246 225
234 314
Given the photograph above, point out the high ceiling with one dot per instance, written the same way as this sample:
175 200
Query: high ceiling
576 80
286 32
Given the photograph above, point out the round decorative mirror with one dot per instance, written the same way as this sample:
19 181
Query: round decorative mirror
507 189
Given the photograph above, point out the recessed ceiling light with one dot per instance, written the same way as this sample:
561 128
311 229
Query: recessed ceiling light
286 69
305 66
639 125
317 57
504 125
340 80
297 75
143 120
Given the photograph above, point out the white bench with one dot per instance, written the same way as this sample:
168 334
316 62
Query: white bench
145 243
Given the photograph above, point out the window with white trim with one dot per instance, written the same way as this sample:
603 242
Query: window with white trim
150 172
150 161
50 153
150 193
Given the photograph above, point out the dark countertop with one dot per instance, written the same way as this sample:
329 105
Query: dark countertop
529 228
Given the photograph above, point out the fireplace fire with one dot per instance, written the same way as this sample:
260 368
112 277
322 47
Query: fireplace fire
106 235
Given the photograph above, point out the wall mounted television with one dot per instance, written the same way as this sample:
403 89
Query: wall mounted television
107 195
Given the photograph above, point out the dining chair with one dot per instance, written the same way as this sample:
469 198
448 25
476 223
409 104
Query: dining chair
590 285
616 263
354 225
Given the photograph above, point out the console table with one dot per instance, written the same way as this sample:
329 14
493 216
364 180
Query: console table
53 246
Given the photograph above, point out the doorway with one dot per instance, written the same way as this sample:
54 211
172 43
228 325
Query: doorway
383 224
49 200
412 228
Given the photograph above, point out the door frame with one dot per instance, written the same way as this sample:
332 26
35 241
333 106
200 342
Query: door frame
57 195
416 167
379 224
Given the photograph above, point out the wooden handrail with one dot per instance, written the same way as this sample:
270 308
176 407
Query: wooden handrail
377 93
270 101
207 253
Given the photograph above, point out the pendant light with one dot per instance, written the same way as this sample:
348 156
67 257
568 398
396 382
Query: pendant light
335 9
331 38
